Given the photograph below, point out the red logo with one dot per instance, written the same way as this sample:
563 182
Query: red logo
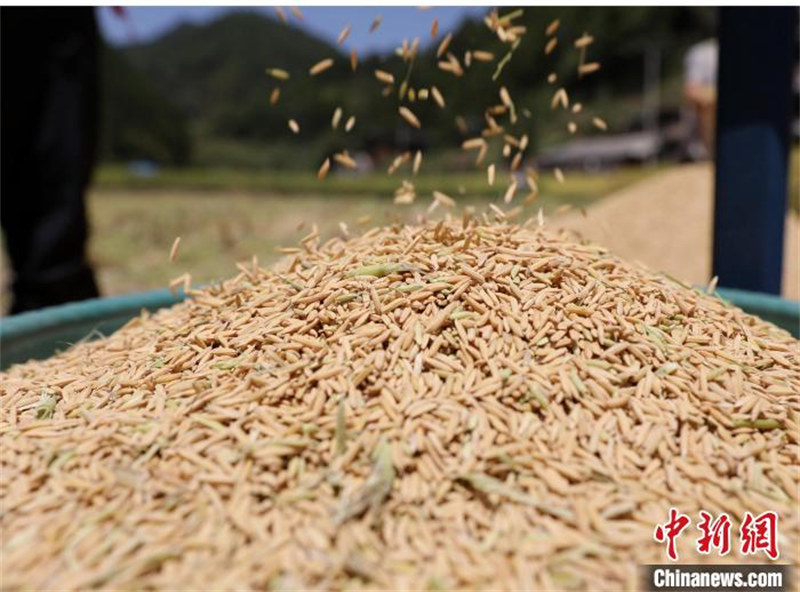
756 533
669 531
760 534
716 534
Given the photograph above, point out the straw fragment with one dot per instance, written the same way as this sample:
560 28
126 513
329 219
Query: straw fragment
173 252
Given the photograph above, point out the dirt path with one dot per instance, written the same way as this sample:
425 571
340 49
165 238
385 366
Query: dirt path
666 223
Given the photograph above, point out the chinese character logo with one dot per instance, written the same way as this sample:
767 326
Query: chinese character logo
760 534
715 534
669 531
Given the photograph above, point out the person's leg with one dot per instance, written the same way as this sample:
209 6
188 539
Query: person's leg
49 80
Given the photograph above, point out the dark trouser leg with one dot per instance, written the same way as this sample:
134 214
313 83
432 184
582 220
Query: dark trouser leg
49 101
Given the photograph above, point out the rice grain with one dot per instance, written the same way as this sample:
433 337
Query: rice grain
437 96
409 116
384 77
445 43
320 66
344 34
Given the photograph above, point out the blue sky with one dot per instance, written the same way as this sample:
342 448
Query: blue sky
143 23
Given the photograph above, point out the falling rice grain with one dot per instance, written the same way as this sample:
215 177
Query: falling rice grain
558 174
552 27
560 97
278 73
409 116
274 96
584 41
417 162
551 78
294 126
344 159
505 97
375 24
351 122
444 45
323 169
343 35
599 123
435 28
482 56
437 96
490 174
296 12
473 143
551 45
585 69
572 127
281 14
353 60
384 76
510 192
444 199
481 154
320 66
337 116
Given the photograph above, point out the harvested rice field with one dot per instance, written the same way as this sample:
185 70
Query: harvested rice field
468 404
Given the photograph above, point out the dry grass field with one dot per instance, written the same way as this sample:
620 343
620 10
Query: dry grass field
659 216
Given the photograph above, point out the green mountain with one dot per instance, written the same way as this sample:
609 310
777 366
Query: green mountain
138 121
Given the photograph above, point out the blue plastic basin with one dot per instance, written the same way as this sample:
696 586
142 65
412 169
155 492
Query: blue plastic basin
40 334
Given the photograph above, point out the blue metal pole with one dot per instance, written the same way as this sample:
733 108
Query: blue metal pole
757 49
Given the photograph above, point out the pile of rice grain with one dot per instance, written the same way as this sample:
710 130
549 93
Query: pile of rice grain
422 407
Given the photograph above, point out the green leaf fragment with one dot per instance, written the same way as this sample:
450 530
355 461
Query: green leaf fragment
345 298
46 407
758 424
225 365
537 394
459 315
341 428
376 488
667 368
409 287
380 269
292 283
